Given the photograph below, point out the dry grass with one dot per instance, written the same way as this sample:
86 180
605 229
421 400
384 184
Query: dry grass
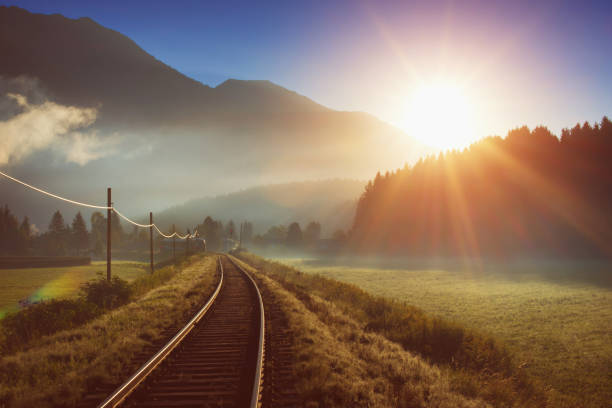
554 317
338 364
58 369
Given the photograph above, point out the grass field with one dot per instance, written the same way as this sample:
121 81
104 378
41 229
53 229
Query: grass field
36 284
560 330
57 369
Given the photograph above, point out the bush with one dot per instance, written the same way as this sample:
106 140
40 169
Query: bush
34 320
44 318
107 294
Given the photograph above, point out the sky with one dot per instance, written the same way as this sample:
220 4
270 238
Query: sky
507 63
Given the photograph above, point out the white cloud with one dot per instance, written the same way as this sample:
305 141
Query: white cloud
51 126
82 148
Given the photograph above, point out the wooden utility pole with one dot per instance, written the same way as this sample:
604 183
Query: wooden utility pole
108 233
187 243
151 240
174 242
240 242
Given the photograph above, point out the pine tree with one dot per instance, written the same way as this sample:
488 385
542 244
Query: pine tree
116 230
25 236
56 237
80 236
98 233
294 235
9 231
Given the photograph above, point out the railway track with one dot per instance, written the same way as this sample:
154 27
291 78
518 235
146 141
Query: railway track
216 360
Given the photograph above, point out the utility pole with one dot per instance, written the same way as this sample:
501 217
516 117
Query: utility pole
187 243
108 233
151 240
240 242
174 242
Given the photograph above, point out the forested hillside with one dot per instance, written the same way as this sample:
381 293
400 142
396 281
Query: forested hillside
526 194
330 202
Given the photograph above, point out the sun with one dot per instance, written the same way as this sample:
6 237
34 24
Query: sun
441 115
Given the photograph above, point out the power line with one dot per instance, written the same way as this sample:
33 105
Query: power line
130 221
101 207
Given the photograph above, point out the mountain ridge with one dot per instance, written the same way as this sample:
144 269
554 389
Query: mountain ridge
170 136
332 202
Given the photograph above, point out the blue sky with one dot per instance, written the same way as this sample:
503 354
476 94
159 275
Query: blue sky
520 63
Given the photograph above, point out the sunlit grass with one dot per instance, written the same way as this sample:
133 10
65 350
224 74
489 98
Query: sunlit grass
338 363
36 284
101 351
561 332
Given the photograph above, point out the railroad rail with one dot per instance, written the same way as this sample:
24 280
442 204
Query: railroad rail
215 360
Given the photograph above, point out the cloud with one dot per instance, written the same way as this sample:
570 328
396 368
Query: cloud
48 125
81 148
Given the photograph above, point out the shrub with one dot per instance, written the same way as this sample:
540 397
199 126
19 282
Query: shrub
34 320
43 318
107 294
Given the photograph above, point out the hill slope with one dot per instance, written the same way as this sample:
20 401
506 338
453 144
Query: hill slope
330 202
162 137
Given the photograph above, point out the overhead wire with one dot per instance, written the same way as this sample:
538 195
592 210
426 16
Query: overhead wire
102 207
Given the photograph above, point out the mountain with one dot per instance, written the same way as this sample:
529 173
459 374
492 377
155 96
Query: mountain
160 138
329 202
85 64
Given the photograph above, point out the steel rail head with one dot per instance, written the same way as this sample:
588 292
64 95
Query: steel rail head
125 389
257 383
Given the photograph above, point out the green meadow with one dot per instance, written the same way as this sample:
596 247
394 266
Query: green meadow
37 284
557 324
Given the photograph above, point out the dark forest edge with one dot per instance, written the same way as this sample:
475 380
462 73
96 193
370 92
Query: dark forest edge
528 194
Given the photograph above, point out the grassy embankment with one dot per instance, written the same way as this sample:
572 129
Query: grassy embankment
557 326
468 364
337 363
55 370
36 284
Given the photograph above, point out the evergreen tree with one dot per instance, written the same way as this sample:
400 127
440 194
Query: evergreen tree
56 236
98 233
276 235
294 235
116 230
9 231
25 236
530 193
80 236
208 229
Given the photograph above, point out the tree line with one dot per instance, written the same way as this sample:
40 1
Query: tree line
291 236
65 239
74 239
530 193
